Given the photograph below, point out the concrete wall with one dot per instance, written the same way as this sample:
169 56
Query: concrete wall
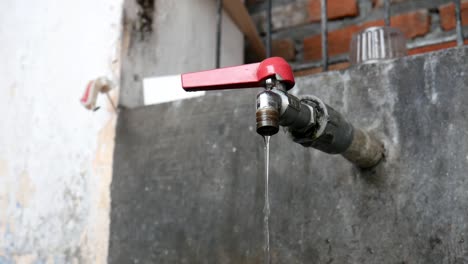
188 176
179 37
55 157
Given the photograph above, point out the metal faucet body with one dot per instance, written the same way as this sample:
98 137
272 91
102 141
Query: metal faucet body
312 123
308 120
275 107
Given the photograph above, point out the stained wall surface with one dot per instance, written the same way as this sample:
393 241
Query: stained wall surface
55 156
188 176
172 37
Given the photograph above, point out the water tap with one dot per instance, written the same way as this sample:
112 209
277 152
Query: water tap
94 87
309 121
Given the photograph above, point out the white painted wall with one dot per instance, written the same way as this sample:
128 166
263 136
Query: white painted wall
55 157
164 89
186 42
186 37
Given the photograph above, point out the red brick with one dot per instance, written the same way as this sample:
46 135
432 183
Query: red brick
335 9
338 43
434 47
447 15
339 66
412 24
284 16
431 48
415 51
284 48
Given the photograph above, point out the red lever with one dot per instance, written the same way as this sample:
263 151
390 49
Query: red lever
243 76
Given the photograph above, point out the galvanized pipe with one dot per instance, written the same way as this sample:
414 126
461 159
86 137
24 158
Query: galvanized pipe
365 151
219 24
459 23
324 20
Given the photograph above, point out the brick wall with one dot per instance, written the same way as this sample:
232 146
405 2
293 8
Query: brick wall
428 26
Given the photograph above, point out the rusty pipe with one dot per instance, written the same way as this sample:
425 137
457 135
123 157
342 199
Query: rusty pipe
365 150
333 134
312 123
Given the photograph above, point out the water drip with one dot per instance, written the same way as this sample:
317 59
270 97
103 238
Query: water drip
266 208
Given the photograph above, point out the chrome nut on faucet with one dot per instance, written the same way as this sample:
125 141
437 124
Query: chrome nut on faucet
267 114
287 109
310 122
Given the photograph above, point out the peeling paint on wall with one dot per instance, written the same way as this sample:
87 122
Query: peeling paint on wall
25 189
4 198
145 16
56 157
183 39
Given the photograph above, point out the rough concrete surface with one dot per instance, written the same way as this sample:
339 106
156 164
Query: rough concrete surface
188 176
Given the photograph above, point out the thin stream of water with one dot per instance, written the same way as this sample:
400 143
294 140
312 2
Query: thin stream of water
266 209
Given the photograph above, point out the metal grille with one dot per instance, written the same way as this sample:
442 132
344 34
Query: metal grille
324 33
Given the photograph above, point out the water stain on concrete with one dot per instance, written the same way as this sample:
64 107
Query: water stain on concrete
25 259
105 145
102 169
4 198
13 90
25 190
3 168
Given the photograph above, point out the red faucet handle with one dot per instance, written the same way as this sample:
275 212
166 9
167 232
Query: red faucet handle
243 76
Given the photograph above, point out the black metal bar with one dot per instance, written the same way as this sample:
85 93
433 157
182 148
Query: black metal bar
268 38
324 20
387 12
459 23
218 33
